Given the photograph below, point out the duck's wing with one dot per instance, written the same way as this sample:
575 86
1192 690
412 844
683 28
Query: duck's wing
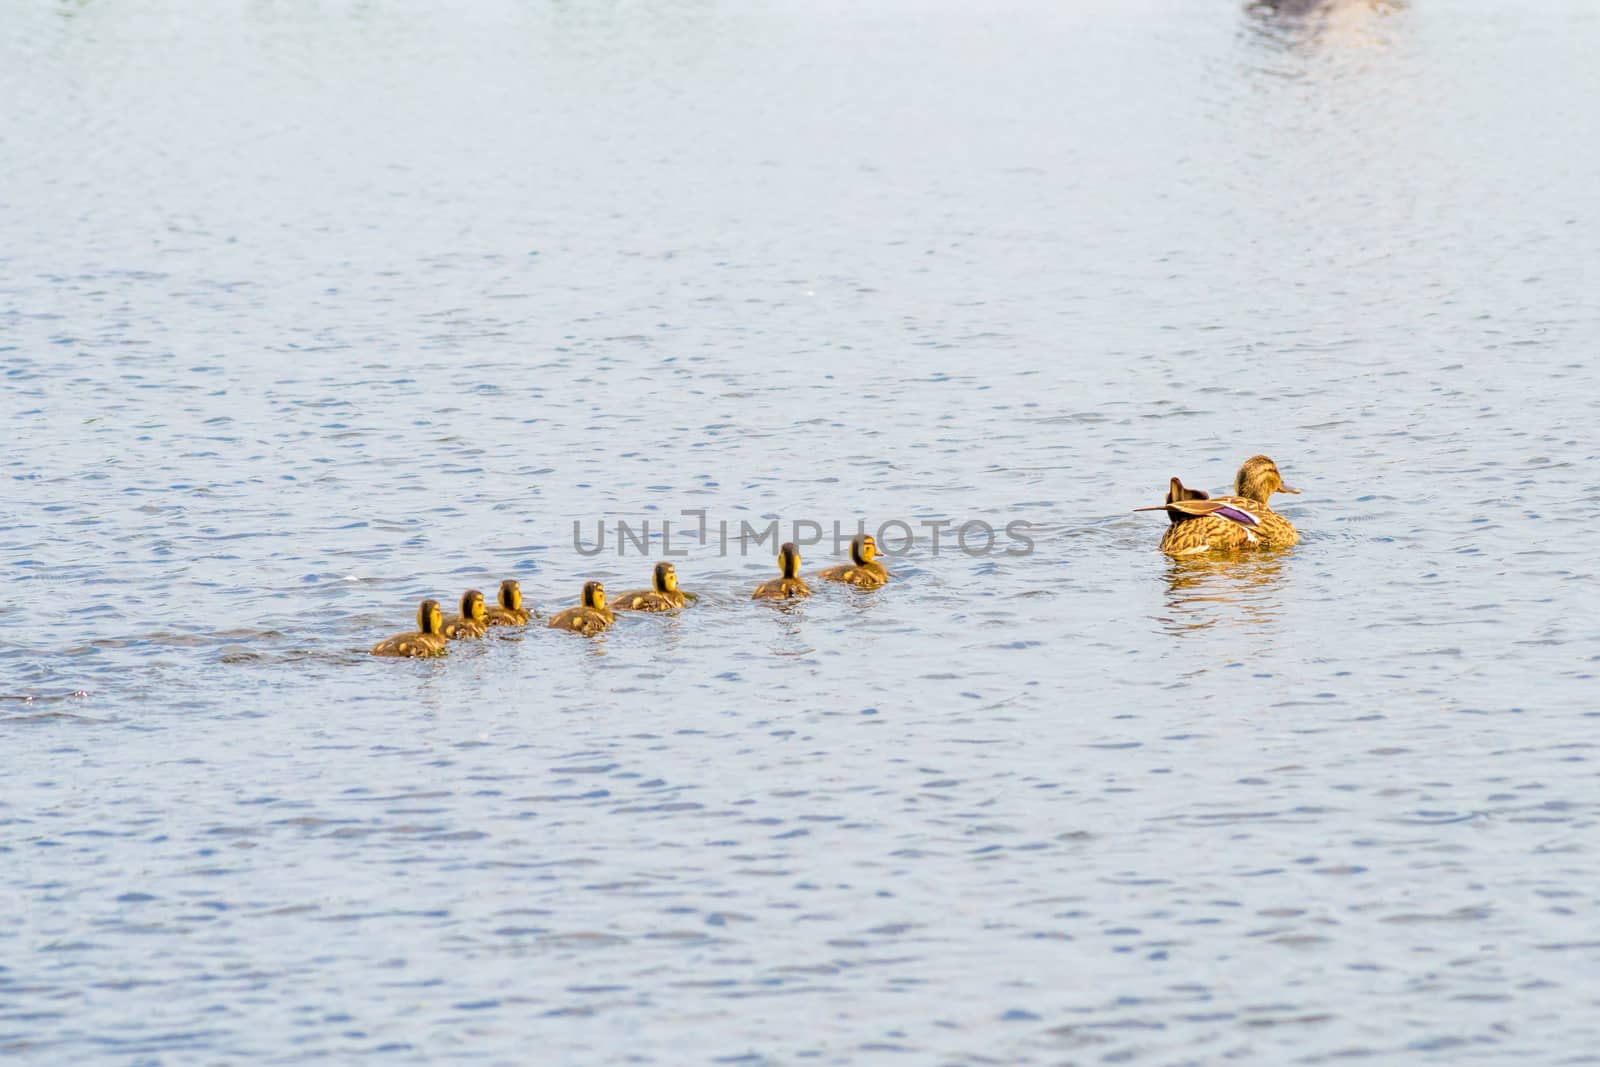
1200 508
1227 509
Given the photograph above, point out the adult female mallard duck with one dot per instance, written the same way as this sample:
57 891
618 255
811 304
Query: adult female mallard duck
790 585
589 617
1227 523
471 622
864 572
664 596
427 641
509 612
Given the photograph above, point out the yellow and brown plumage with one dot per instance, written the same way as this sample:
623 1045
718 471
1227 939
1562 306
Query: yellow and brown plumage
472 621
1242 521
590 616
509 612
426 641
864 571
664 594
789 585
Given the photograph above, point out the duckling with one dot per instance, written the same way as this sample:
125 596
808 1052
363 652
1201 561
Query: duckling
589 617
509 612
865 572
789 586
427 641
1227 523
473 620
665 596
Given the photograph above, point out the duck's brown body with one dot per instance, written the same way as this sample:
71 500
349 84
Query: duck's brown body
1242 521
1211 533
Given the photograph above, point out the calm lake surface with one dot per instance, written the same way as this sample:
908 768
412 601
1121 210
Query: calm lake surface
308 311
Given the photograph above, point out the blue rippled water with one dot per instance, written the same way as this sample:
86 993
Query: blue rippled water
308 311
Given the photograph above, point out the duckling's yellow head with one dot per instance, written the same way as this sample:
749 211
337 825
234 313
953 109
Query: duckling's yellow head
1258 479
430 619
863 549
472 606
594 596
666 580
511 594
789 560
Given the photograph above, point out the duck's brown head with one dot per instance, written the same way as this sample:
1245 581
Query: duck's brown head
430 619
666 578
472 606
863 549
789 560
1258 479
594 596
511 594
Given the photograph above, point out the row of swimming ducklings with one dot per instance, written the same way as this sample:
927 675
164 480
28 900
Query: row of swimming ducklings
594 613
1198 523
